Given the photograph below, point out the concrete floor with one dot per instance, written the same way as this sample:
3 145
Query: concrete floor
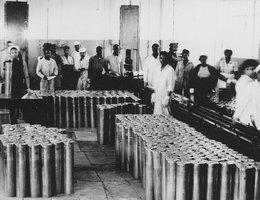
95 177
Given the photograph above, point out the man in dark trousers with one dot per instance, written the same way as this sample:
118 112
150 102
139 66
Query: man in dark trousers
96 66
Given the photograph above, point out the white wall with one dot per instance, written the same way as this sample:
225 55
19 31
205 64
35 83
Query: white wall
211 26
202 26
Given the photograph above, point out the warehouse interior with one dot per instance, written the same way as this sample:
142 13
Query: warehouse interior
154 99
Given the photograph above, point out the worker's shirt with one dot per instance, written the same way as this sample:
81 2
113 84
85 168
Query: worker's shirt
67 60
255 92
227 70
165 82
183 74
151 65
96 66
203 72
243 98
76 57
116 63
46 68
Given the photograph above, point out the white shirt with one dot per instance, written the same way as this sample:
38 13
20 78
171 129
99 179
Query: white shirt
67 61
227 70
243 99
151 65
46 68
165 82
254 90
116 63
83 63
76 57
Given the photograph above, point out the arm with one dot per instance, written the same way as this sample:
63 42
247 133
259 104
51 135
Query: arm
242 100
122 67
55 69
26 75
106 62
39 70
145 73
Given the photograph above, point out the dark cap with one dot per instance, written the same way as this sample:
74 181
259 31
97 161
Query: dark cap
174 45
66 47
99 47
203 57
186 51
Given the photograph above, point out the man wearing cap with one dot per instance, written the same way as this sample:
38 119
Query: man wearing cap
183 69
96 67
83 81
76 55
67 69
115 62
47 70
20 78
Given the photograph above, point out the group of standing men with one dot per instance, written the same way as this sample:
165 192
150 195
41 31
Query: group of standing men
79 66
166 72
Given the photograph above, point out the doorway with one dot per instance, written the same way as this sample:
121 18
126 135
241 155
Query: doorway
16 25
129 32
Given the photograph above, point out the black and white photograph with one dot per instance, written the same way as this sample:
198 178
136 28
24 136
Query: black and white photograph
130 99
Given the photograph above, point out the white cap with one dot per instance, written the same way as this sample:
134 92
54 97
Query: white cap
82 50
76 43
257 69
9 48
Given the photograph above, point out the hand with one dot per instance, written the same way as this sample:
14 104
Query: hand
45 78
235 121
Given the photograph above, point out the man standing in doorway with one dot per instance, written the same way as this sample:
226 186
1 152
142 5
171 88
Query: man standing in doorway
152 63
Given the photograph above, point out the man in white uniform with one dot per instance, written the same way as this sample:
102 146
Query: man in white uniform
152 63
244 107
76 55
115 62
83 81
47 70
255 99
164 85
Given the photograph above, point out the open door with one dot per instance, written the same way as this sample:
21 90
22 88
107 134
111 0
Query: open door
129 31
16 24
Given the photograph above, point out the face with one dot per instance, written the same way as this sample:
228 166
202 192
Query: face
82 54
155 49
14 53
228 55
162 59
47 54
185 55
203 60
249 71
99 51
116 51
77 47
66 51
